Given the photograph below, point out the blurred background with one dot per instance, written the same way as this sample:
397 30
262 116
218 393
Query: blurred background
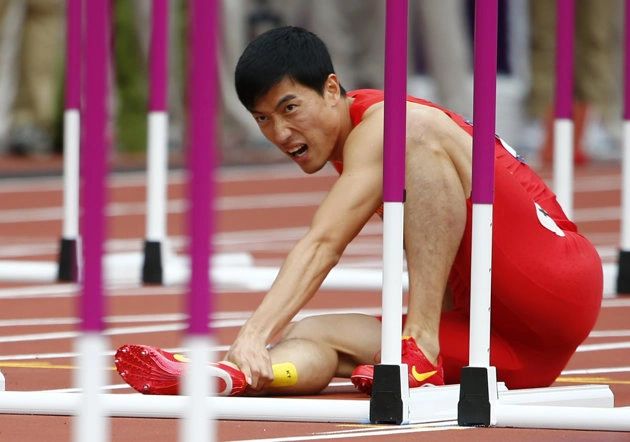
32 44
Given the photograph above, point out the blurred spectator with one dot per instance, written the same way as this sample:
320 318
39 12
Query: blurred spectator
593 72
446 45
32 45
354 32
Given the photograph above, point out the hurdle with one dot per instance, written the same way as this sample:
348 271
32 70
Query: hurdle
417 406
479 403
157 264
623 268
157 161
68 259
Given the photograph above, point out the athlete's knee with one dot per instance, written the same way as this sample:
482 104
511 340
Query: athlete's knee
310 328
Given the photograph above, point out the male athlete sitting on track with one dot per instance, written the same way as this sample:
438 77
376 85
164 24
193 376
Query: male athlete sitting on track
546 279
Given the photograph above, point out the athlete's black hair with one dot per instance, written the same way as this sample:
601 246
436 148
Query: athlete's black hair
290 52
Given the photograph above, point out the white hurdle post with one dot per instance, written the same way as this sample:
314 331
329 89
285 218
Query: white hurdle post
197 425
68 260
623 269
563 138
91 345
157 134
390 392
478 389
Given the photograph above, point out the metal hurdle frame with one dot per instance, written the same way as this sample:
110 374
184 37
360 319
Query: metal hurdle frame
416 406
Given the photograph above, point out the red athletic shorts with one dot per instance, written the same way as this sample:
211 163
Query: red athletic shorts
546 284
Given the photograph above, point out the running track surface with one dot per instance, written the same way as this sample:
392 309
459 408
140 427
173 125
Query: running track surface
261 211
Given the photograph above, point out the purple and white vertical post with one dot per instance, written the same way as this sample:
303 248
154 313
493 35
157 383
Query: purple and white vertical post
157 133
563 122
484 112
623 273
394 177
478 380
394 145
202 98
68 260
91 344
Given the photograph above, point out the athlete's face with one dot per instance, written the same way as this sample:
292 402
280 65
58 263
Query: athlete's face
302 123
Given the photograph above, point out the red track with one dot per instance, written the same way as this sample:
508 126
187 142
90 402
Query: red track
266 231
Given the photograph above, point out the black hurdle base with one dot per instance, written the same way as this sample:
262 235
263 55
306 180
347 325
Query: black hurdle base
152 266
67 261
473 408
623 273
386 404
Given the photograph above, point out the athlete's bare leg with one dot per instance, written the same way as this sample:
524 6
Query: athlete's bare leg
326 346
435 218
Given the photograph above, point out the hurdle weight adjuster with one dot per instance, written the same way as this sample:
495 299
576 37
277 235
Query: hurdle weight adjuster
386 404
623 272
152 266
67 260
474 406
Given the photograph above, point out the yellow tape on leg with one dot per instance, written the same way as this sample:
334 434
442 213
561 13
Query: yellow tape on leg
284 375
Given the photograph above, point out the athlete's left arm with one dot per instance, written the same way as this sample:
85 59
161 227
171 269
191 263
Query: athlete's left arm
351 202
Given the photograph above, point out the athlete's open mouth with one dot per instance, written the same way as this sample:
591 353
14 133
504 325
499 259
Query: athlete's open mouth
298 151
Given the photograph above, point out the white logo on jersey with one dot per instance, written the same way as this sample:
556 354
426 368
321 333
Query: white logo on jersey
508 148
547 222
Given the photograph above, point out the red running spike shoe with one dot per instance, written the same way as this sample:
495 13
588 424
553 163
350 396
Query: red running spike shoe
421 371
151 370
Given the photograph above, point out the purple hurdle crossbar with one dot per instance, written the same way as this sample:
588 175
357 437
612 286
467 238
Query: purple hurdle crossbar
565 13
563 124
157 150
158 56
202 97
203 103
91 344
623 270
391 372
73 55
478 380
95 143
68 260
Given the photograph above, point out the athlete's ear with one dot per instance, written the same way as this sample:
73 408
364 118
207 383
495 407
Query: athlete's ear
332 88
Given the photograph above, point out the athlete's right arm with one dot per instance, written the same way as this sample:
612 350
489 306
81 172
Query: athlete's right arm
351 202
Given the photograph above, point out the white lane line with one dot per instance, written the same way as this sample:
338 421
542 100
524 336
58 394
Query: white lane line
365 432
34 322
616 302
247 202
66 290
623 333
52 336
602 347
175 177
68 355
580 371
79 390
